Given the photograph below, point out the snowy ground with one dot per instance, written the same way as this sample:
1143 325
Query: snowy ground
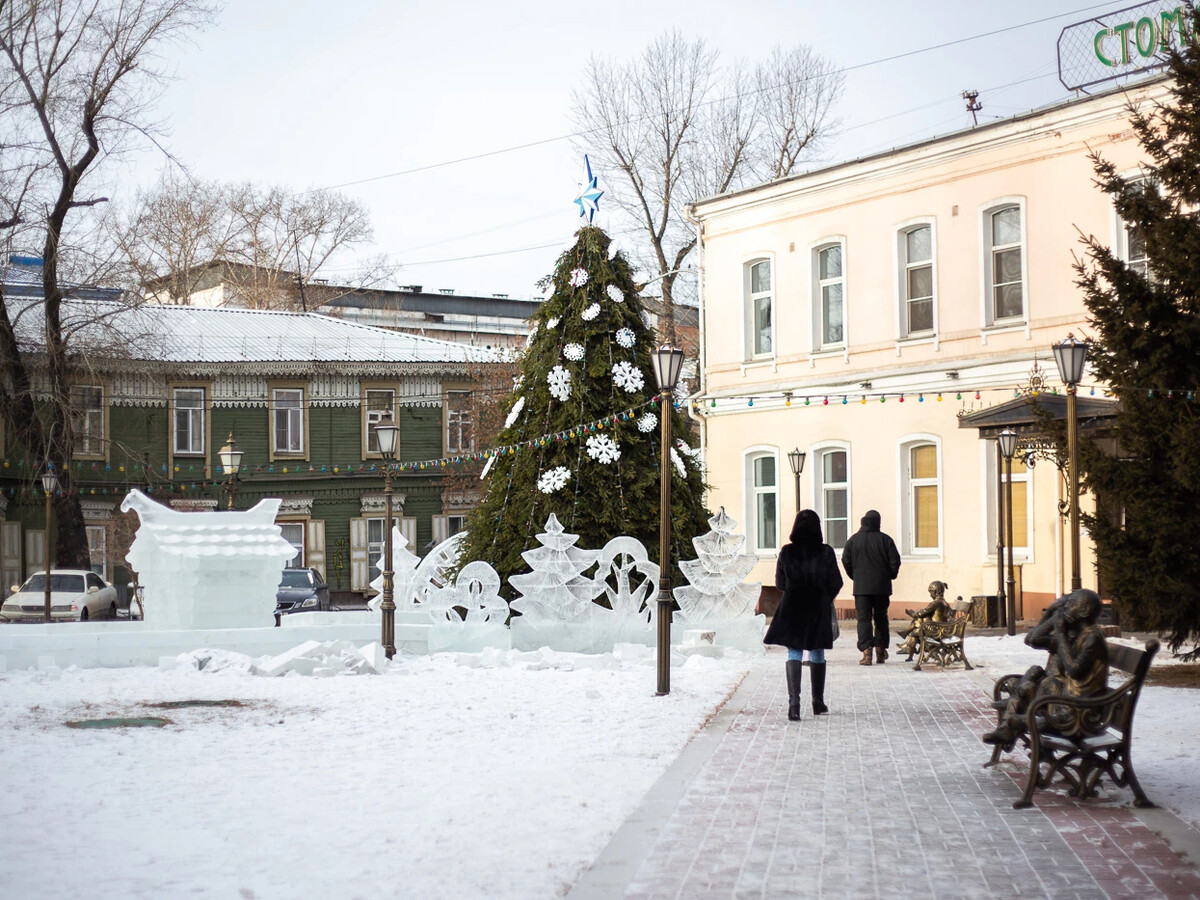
440 778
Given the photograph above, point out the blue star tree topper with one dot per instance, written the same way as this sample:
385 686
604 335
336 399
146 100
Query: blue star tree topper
588 199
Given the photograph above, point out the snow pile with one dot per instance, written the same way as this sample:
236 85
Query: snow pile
318 658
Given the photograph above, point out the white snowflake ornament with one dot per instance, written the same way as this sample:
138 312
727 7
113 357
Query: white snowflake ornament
626 337
614 294
573 352
647 423
532 334
487 467
514 412
559 381
591 312
554 480
553 322
603 449
678 463
628 377
579 277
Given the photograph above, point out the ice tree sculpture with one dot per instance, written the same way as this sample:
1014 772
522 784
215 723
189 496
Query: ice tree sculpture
716 595
468 615
627 578
404 576
555 594
207 569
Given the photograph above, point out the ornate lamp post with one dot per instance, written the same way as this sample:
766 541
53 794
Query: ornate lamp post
49 486
1070 355
231 462
796 461
386 431
668 362
1007 440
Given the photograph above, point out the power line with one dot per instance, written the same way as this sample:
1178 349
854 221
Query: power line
576 134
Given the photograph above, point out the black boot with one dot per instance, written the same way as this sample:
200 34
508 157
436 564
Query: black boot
818 688
794 674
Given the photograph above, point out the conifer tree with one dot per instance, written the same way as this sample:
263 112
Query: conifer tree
1147 320
582 427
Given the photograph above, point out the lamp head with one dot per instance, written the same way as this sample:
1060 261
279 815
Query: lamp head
386 432
668 363
231 456
1069 356
1007 439
49 481
796 461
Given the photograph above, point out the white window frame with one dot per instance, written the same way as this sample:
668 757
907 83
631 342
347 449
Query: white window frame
89 422
752 493
987 251
903 265
97 541
195 421
819 344
375 548
749 305
819 487
1121 228
459 422
295 422
989 454
301 548
371 418
906 504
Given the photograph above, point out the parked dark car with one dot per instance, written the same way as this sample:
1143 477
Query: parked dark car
301 590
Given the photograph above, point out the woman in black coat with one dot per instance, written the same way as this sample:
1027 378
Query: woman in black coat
808 575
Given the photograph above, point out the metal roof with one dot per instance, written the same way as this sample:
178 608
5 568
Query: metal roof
194 334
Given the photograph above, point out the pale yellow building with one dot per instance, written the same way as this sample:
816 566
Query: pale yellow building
855 311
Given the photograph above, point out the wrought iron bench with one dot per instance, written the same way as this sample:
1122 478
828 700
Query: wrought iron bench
943 643
1081 738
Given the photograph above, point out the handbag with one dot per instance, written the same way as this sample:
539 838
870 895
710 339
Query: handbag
837 631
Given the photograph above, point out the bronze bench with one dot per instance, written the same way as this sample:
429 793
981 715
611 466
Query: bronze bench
943 643
1081 738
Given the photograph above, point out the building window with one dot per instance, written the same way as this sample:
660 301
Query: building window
916 280
763 495
377 403
458 422
832 483
288 431
455 524
189 421
830 301
1021 508
87 413
1005 263
97 539
922 502
1130 239
293 533
759 309
374 548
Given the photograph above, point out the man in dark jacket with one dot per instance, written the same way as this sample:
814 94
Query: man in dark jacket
872 561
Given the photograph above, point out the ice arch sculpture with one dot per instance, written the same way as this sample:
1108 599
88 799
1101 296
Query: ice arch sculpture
207 569
468 615
628 579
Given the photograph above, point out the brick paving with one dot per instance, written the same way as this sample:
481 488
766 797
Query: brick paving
884 797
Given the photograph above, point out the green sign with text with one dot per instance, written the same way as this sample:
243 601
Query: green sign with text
1123 42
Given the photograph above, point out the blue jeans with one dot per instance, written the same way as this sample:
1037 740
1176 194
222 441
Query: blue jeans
814 656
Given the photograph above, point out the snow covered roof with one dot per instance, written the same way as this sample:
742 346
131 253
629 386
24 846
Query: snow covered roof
190 334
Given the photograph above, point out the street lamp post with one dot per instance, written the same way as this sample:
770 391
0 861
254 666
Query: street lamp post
231 461
668 361
1008 446
49 486
1001 609
796 461
1070 356
386 431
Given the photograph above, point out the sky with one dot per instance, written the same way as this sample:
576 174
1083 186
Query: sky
309 94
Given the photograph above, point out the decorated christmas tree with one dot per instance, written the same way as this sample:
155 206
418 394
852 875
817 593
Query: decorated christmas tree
581 437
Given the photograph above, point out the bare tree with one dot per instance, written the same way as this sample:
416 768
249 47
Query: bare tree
79 80
264 245
673 126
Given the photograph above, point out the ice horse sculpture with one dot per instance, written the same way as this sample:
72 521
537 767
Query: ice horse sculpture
716 597
207 569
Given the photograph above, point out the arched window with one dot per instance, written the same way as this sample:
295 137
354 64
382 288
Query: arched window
921 498
762 500
760 309
831 484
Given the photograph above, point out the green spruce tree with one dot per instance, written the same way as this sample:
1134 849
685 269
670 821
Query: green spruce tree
1147 321
582 432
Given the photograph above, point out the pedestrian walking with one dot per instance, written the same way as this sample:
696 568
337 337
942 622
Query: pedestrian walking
807 574
872 562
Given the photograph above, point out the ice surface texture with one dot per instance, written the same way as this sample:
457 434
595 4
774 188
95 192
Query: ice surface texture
207 569
716 596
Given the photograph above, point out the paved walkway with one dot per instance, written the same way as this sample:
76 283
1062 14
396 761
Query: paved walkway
884 797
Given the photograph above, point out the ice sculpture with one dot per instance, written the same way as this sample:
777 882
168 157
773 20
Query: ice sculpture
555 605
627 579
207 569
716 598
469 615
404 576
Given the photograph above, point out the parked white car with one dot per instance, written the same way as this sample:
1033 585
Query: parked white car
76 595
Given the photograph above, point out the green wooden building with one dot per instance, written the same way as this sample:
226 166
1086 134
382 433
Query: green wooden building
299 393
